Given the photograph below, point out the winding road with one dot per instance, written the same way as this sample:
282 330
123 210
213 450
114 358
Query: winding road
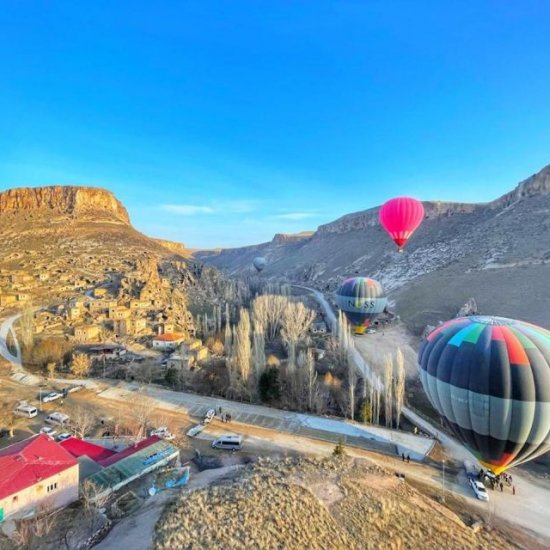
6 328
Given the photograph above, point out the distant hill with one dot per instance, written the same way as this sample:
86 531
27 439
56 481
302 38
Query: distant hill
497 253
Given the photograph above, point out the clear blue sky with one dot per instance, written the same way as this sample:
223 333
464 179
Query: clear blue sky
219 123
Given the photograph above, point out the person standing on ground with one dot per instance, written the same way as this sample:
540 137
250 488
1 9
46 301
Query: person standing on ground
513 489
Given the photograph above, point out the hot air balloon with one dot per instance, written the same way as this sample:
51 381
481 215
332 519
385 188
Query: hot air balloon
489 377
259 263
401 217
362 300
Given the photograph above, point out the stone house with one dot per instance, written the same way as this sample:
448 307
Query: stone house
86 333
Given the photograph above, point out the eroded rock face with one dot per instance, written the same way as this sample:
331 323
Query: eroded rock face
178 248
80 202
537 184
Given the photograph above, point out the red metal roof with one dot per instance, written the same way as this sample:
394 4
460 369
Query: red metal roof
28 462
130 451
104 457
79 448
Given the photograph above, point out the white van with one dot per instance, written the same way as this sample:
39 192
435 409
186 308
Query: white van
26 410
57 418
229 442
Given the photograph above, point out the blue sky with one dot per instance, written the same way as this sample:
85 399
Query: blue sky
220 123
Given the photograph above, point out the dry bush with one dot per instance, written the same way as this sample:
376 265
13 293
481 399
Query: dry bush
315 503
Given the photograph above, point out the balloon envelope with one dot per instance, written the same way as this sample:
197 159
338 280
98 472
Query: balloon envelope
401 217
489 377
362 300
259 263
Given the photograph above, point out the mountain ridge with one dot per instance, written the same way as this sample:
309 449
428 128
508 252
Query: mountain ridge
462 250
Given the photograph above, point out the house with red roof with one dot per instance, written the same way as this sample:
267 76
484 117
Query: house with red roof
36 472
168 341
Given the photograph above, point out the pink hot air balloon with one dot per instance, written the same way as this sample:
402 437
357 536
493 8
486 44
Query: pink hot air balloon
401 217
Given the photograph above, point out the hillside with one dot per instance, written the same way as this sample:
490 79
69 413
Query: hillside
307 503
498 253
59 241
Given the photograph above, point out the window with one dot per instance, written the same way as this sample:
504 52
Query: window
51 487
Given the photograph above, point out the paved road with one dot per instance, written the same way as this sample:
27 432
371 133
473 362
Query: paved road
5 329
333 430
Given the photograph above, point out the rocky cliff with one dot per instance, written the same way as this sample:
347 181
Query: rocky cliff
76 202
177 248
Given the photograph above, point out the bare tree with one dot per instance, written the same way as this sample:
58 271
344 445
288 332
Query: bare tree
388 387
243 351
352 383
228 333
296 321
80 365
259 349
8 420
268 310
26 326
50 368
93 501
82 420
309 375
399 386
141 409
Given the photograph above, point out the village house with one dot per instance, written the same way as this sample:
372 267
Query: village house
74 313
86 333
35 472
167 342
7 299
125 327
100 292
140 304
119 312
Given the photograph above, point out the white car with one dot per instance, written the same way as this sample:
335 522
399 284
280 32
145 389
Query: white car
48 431
63 437
52 396
164 433
210 414
479 489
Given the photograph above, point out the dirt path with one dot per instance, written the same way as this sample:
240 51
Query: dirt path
136 531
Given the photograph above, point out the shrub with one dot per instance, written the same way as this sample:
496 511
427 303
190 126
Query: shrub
269 385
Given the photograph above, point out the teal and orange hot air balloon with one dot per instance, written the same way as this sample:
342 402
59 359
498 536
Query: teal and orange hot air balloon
362 300
401 217
489 377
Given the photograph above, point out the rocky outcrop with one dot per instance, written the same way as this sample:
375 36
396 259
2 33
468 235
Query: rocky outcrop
177 248
283 238
537 184
78 202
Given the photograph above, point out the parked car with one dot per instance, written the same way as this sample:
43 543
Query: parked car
164 433
48 431
72 389
26 410
479 489
228 442
52 396
208 417
63 437
57 418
